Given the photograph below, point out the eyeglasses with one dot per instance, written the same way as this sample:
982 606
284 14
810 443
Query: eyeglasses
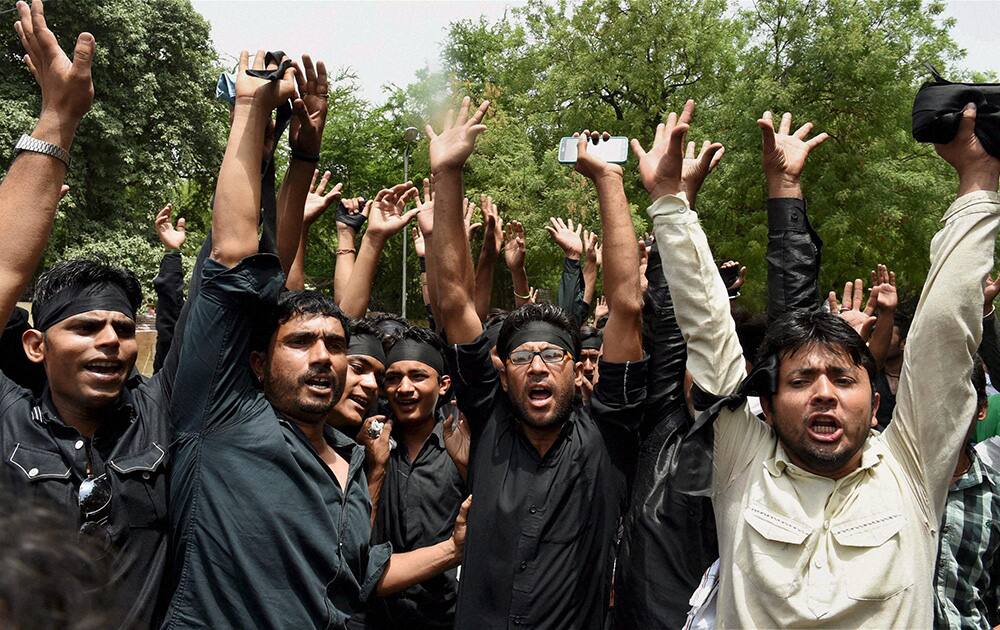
552 356
95 507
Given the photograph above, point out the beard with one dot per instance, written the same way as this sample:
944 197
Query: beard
557 417
287 396
815 457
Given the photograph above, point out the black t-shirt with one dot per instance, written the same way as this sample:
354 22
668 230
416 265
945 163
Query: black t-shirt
542 530
263 534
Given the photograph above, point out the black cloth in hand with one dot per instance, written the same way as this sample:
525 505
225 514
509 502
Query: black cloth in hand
353 221
937 111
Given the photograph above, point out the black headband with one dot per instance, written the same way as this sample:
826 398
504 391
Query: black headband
366 344
74 300
592 342
413 350
536 331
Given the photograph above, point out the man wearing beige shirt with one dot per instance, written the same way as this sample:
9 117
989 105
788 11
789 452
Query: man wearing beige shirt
823 522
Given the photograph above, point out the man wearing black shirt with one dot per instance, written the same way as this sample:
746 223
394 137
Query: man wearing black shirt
548 477
423 490
269 505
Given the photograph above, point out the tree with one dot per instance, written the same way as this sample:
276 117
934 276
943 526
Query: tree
154 124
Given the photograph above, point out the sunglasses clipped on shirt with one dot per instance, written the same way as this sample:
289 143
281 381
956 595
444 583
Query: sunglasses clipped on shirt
552 356
95 507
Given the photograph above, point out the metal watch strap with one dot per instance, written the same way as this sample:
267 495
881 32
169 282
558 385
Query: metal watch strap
34 145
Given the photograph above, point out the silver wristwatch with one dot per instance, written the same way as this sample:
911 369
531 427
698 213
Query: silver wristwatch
27 143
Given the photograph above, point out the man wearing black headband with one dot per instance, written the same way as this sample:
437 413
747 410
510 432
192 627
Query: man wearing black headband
423 490
269 508
548 477
93 444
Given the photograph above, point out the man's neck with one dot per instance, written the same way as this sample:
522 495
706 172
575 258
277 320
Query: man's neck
85 421
414 434
314 434
542 439
963 465
893 365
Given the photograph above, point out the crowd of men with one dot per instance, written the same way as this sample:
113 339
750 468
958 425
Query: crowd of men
297 461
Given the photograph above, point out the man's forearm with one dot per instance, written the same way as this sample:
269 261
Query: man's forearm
29 195
295 279
484 281
519 279
359 288
291 205
621 272
237 193
344 266
452 261
413 567
376 479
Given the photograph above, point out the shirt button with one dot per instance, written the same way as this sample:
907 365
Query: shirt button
78 445
818 563
532 509
524 565
145 475
826 525
33 472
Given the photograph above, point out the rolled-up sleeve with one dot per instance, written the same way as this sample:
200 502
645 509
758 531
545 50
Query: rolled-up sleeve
475 381
378 561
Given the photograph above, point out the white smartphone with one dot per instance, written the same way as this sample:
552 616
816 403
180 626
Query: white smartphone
614 149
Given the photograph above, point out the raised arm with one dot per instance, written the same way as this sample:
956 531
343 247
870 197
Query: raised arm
317 202
386 218
492 244
621 271
31 189
449 151
237 193
793 247
352 214
935 400
514 252
592 251
305 137
569 238
169 283
422 243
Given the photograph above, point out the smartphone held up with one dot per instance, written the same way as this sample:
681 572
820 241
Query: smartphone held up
613 150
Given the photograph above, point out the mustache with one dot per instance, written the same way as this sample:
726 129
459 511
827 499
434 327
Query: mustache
313 372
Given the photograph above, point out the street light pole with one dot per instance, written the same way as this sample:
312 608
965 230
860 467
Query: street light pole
410 135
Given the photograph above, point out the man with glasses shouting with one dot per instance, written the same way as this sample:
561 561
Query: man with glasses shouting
548 476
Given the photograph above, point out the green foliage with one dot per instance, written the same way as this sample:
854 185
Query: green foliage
851 66
154 134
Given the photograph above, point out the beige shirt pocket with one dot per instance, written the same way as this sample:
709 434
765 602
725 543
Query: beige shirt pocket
868 549
772 551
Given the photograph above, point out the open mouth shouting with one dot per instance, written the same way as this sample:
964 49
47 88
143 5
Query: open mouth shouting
106 370
824 427
539 395
320 384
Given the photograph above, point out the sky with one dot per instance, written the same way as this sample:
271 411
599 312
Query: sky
387 41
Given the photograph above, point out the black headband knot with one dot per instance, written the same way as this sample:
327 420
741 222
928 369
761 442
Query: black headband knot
74 300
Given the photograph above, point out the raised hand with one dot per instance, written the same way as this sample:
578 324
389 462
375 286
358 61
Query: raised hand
661 168
696 168
532 295
850 309
172 237
267 94
589 166
591 247
67 88
977 169
567 236
493 235
351 215
386 216
317 201
600 309
452 147
425 210
305 131
419 245
784 154
514 248
883 297
457 438
990 291
468 211
733 275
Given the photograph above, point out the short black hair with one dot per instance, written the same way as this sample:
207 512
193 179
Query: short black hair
83 272
293 304
800 328
750 328
496 316
545 312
